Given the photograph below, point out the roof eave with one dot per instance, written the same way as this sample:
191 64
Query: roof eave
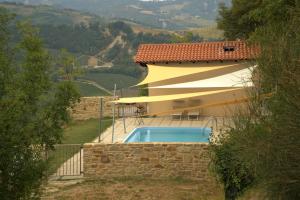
145 62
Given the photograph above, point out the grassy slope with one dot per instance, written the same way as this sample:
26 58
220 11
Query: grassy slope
210 32
108 80
80 132
88 90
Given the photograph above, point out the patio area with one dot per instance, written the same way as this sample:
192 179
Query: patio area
217 123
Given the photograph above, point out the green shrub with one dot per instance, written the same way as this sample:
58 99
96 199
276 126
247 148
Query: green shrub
143 90
269 142
235 154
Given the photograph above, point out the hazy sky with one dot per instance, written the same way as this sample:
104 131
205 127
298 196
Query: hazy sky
156 0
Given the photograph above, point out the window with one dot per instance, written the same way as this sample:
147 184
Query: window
228 48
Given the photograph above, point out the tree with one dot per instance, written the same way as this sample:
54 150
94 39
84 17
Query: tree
268 138
239 20
67 66
33 111
244 18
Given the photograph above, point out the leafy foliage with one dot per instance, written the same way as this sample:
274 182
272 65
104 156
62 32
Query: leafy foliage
235 154
244 18
270 147
239 21
143 90
32 111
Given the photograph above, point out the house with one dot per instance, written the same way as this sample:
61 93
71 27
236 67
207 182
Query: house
187 75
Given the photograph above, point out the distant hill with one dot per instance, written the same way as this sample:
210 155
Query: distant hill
112 42
109 44
168 14
43 14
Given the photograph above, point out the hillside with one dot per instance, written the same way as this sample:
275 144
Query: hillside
167 14
112 44
43 14
100 46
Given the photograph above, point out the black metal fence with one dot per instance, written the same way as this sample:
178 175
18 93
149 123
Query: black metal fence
128 109
131 110
66 160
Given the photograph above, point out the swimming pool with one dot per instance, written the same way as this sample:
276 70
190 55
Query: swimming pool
169 134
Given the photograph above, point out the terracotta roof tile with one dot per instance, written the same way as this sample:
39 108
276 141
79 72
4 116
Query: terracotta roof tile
195 52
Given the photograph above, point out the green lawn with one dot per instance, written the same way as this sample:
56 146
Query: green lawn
80 132
88 90
107 80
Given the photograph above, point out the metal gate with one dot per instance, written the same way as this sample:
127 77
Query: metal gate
66 160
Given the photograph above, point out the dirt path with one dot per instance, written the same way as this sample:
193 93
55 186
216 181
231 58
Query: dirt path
117 40
134 189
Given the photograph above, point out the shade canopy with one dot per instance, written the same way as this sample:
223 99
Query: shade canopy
241 78
148 99
158 73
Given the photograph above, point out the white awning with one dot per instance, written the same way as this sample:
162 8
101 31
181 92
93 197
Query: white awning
147 99
158 73
241 78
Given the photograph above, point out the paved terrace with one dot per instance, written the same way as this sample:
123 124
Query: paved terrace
132 123
72 164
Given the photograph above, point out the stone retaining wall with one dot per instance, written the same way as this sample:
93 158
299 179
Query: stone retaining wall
89 107
155 160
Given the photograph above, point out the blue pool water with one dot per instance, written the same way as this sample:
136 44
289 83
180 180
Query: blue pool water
169 134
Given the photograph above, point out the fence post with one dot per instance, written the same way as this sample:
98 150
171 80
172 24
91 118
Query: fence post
113 122
80 157
101 114
123 114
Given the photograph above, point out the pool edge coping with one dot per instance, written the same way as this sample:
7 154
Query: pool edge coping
129 134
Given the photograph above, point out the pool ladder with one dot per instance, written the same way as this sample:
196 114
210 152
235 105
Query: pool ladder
147 139
211 120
